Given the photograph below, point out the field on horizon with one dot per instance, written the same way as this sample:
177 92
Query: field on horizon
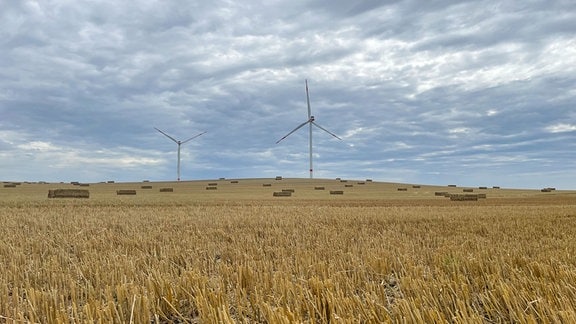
379 252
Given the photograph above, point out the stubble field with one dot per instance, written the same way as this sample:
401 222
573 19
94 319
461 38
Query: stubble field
238 254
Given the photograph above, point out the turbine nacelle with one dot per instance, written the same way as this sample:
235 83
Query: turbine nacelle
311 119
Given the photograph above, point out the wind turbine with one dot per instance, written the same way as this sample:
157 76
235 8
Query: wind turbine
311 121
179 144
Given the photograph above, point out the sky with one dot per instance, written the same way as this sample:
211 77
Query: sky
473 93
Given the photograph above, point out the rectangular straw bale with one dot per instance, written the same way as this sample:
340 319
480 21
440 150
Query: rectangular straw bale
481 196
278 177
211 188
348 186
212 184
463 197
68 193
234 181
288 190
126 192
402 189
282 194
336 192
440 193
468 190
9 185
266 185
319 188
146 187
166 189
416 186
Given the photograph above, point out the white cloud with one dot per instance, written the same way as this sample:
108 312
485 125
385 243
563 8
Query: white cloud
561 128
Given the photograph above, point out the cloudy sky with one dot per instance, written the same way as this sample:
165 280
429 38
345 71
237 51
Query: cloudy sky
433 92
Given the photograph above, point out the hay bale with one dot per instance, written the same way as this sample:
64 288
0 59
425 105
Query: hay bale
348 186
336 192
288 190
416 186
360 183
68 193
10 185
402 189
222 179
234 181
211 188
343 180
75 183
126 192
282 194
166 189
146 187
278 177
468 190
483 188
481 196
452 186
266 185
368 180
212 184
495 187
440 193
110 181
84 185
318 188
463 197
338 179
546 190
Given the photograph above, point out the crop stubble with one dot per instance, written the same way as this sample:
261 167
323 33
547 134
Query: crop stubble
295 261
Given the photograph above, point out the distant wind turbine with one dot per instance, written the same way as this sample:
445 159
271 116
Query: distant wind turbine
179 144
311 121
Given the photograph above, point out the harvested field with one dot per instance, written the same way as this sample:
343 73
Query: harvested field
242 255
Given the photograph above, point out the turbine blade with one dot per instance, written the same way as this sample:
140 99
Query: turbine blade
193 137
308 100
170 137
327 131
295 129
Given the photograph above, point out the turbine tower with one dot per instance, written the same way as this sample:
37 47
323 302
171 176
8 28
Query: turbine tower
311 121
179 144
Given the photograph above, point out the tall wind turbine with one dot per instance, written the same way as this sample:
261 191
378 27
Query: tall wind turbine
179 144
311 121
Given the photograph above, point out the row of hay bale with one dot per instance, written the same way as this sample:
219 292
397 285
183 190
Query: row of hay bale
289 192
549 189
460 197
